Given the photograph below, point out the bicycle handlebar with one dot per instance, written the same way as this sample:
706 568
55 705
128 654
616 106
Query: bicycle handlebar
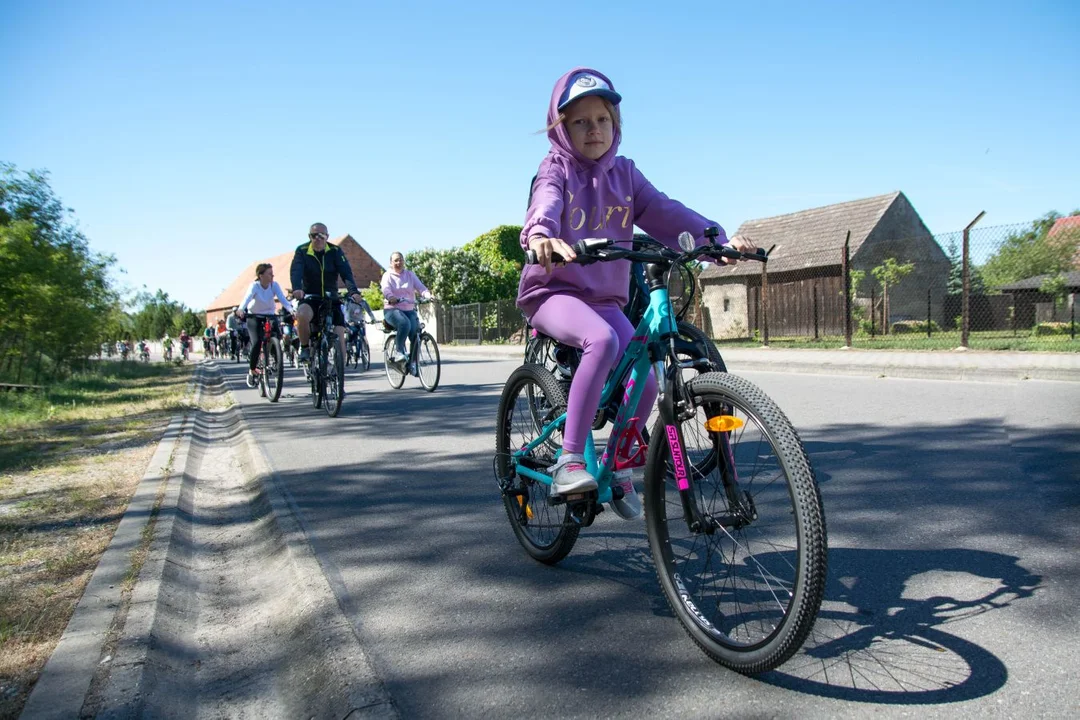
592 250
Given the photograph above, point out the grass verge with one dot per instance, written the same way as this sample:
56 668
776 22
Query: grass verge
70 460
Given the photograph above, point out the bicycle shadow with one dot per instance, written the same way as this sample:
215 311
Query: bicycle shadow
878 637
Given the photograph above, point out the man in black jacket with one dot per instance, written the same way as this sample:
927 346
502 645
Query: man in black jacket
314 272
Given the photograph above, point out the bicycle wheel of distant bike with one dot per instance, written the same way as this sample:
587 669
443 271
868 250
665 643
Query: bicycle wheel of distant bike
394 374
428 364
530 399
746 586
365 354
335 381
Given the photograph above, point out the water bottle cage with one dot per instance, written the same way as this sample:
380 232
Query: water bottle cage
623 458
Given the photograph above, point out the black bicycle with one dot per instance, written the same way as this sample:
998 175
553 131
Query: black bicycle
326 367
423 356
270 369
358 351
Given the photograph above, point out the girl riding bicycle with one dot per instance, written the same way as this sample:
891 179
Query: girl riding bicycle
261 299
584 190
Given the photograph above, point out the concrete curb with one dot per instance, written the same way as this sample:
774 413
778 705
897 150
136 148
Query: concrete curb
340 681
61 690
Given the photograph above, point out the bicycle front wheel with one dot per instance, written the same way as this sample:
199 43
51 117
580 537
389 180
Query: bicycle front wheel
365 354
427 362
531 399
748 589
335 381
394 375
276 370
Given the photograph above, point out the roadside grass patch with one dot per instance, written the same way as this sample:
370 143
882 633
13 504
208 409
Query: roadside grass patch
70 460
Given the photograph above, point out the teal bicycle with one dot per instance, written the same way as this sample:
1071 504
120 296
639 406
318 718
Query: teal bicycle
733 512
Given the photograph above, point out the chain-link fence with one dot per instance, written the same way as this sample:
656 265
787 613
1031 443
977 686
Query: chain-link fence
1006 287
491 322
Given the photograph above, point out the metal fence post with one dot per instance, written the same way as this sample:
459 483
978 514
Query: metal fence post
846 266
479 324
873 311
928 316
764 305
965 298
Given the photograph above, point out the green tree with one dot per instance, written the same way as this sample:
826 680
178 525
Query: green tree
889 274
373 294
955 284
57 301
1029 253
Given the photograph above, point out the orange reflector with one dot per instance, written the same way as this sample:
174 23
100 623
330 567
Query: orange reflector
723 423
528 510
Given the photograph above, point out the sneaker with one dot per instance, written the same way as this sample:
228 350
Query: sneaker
250 379
629 506
568 475
305 355
412 370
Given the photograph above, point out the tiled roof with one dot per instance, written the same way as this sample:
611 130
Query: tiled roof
1065 226
809 238
231 296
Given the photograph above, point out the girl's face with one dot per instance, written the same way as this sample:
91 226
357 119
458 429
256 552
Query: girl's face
266 277
397 262
591 127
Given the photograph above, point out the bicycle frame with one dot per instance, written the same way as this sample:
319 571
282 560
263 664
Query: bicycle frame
643 355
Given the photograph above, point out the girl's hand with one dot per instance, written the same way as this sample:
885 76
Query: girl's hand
545 246
741 243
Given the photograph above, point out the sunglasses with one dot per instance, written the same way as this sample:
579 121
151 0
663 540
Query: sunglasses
317 235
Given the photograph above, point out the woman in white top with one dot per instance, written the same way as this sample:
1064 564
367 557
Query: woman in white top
260 301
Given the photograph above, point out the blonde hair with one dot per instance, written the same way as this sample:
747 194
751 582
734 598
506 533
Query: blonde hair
613 111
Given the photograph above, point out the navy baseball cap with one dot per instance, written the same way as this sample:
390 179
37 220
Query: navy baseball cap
585 83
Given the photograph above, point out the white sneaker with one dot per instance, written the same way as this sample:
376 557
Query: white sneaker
568 475
629 506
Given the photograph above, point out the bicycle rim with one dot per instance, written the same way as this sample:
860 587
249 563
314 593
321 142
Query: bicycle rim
530 399
428 363
365 354
395 377
748 595
335 381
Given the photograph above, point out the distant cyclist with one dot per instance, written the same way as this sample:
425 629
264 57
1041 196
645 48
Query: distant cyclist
315 269
222 337
208 341
166 346
260 301
185 344
354 319
237 331
400 287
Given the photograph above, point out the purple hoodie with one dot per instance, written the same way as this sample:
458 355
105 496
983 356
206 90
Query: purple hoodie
574 197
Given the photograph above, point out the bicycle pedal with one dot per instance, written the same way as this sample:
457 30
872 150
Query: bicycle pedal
573 498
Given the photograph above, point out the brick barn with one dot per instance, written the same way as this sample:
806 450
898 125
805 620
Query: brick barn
365 270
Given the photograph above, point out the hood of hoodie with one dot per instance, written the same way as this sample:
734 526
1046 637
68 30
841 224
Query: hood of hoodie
561 144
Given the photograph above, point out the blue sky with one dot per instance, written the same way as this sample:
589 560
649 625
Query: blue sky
194 138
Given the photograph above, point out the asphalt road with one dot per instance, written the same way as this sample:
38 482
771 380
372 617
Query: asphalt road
953 511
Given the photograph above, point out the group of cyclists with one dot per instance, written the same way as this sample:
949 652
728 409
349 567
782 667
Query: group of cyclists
124 348
316 268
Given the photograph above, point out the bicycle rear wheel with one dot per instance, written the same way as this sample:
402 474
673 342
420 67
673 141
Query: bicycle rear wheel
314 378
394 375
427 362
530 399
748 591
335 381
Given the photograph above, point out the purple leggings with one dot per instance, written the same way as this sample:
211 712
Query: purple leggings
603 333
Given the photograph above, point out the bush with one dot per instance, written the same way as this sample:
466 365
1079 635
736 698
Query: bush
914 326
1052 328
